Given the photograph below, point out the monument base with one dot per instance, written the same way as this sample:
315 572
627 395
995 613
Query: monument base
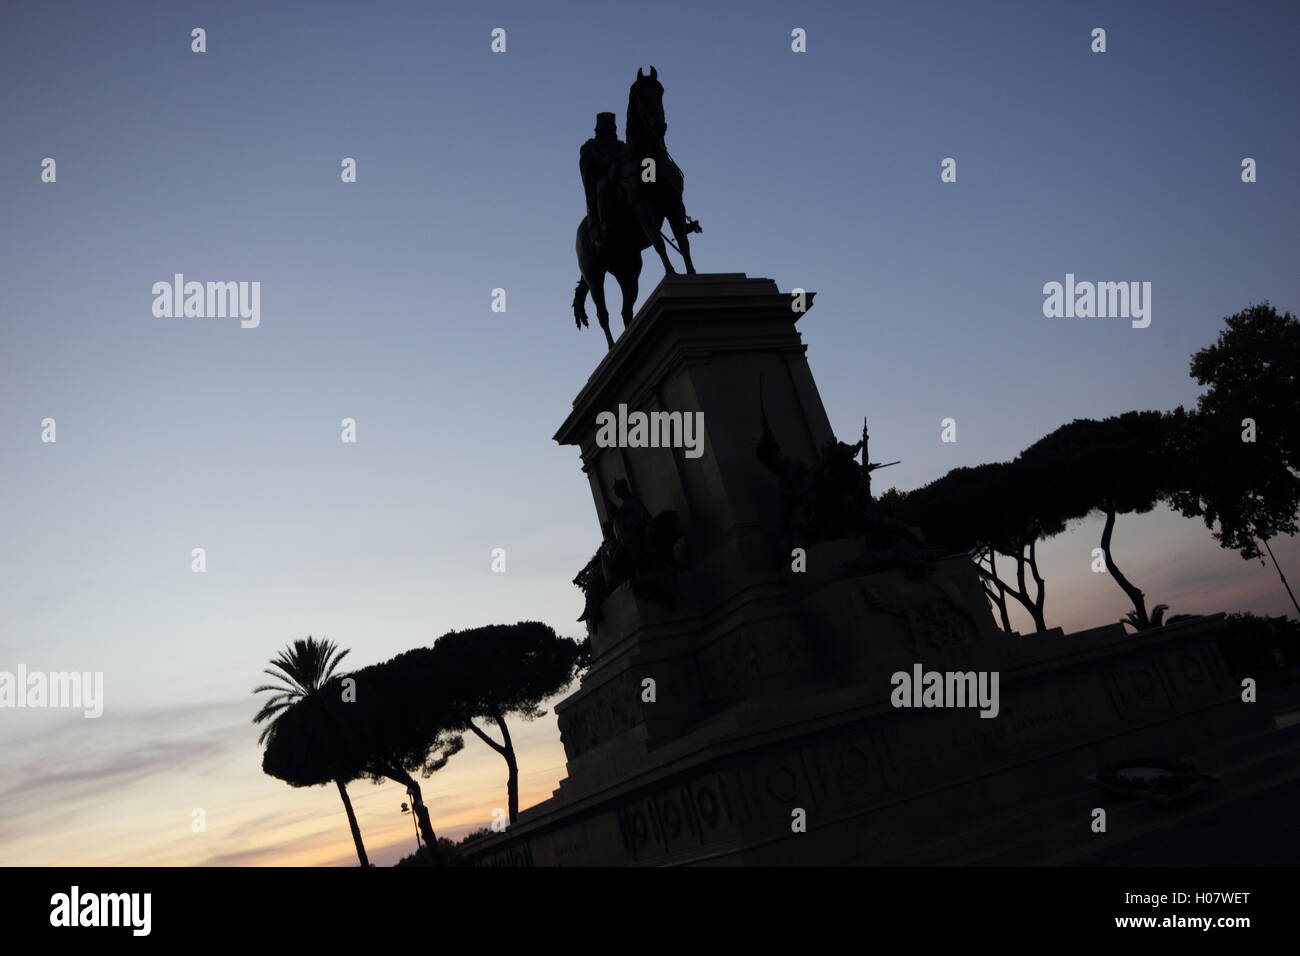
875 784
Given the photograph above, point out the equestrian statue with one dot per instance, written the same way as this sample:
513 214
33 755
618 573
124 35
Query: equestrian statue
631 189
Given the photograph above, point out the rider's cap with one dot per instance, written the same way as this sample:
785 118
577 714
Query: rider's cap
606 123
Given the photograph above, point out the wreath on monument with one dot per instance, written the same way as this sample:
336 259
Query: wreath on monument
1155 778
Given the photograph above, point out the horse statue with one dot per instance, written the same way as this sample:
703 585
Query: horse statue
648 190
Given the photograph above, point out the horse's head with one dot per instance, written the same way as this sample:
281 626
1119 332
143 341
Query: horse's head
645 104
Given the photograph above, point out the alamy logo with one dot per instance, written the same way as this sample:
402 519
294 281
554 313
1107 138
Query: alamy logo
103 909
651 430
1101 300
58 690
923 688
208 300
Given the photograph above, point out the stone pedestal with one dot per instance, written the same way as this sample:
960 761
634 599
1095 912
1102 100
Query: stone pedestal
705 344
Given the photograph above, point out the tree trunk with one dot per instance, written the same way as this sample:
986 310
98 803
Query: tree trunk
352 823
507 753
1134 595
426 824
1285 583
421 812
1033 605
999 601
512 767
998 597
1040 618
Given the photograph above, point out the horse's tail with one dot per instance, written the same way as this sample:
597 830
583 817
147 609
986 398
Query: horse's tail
579 298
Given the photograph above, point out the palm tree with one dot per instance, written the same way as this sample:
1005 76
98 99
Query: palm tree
303 669
1157 619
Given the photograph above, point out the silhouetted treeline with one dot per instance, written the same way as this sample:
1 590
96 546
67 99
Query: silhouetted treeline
1233 461
405 718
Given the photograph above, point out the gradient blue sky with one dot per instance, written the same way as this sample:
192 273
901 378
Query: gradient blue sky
820 170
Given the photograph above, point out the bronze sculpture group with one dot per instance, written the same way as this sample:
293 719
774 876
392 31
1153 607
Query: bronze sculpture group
631 189
831 499
636 548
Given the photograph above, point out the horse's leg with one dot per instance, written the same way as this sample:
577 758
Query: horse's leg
651 223
627 282
678 222
583 248
657 240
598 297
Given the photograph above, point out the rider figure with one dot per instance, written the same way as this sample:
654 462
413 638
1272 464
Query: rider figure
599 161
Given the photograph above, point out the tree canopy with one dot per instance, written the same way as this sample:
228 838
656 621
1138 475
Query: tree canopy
1253 371
1242 449
492 672
1000 507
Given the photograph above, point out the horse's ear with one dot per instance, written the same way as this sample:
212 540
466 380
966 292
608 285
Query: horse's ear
639 74
654 74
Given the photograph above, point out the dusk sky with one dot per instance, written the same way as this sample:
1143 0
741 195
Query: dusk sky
819 170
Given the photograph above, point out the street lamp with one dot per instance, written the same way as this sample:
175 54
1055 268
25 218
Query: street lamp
406 809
